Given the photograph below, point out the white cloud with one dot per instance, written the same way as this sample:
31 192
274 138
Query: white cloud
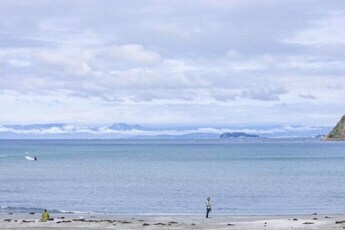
177 62
326 31
19 63
73 60
135 53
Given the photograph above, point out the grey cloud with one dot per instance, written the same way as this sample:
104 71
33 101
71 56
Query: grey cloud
264 94
308 96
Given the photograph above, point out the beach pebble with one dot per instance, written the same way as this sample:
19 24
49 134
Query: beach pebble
7 220
146 224
32 213
328 217
173 222
315 218
295 219
231 225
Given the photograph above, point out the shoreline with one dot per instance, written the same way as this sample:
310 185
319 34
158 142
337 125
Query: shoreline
107 221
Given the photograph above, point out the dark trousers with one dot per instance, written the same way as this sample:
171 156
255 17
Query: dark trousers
208 210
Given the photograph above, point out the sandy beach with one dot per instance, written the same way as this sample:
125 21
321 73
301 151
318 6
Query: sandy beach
72 221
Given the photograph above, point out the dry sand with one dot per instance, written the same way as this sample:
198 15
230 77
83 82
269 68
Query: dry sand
69 221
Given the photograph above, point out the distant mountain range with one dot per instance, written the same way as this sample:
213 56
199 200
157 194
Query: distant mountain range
136 131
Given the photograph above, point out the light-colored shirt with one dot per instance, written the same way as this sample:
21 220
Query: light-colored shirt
208 204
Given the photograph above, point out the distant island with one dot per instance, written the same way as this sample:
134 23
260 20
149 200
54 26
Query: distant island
237 135
338 132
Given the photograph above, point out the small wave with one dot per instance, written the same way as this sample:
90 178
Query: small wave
9 209
74 212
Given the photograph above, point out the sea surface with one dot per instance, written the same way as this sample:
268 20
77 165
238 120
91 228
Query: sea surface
173 176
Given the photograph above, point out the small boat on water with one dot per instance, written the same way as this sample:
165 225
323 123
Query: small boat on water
29 158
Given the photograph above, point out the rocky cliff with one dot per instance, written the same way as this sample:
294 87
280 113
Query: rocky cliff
338 132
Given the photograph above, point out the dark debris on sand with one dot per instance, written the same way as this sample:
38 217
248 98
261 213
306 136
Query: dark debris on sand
173 222
308 223
126 222
64 221
340 222
159 224
28 221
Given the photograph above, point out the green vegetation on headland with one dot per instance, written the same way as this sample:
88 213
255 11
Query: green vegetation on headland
338 132
237 135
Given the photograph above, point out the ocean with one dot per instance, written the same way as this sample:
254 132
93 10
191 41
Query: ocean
173 176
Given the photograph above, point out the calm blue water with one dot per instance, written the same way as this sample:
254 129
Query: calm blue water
156 177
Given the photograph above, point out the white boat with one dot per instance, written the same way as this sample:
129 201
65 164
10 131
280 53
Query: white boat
29 158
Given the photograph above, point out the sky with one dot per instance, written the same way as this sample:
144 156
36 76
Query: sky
207 63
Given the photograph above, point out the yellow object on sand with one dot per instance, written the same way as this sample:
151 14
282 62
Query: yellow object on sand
45 216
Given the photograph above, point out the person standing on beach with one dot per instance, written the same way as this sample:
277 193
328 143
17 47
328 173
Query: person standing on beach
208 206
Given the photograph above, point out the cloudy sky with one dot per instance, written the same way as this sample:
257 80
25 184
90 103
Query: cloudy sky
205 62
